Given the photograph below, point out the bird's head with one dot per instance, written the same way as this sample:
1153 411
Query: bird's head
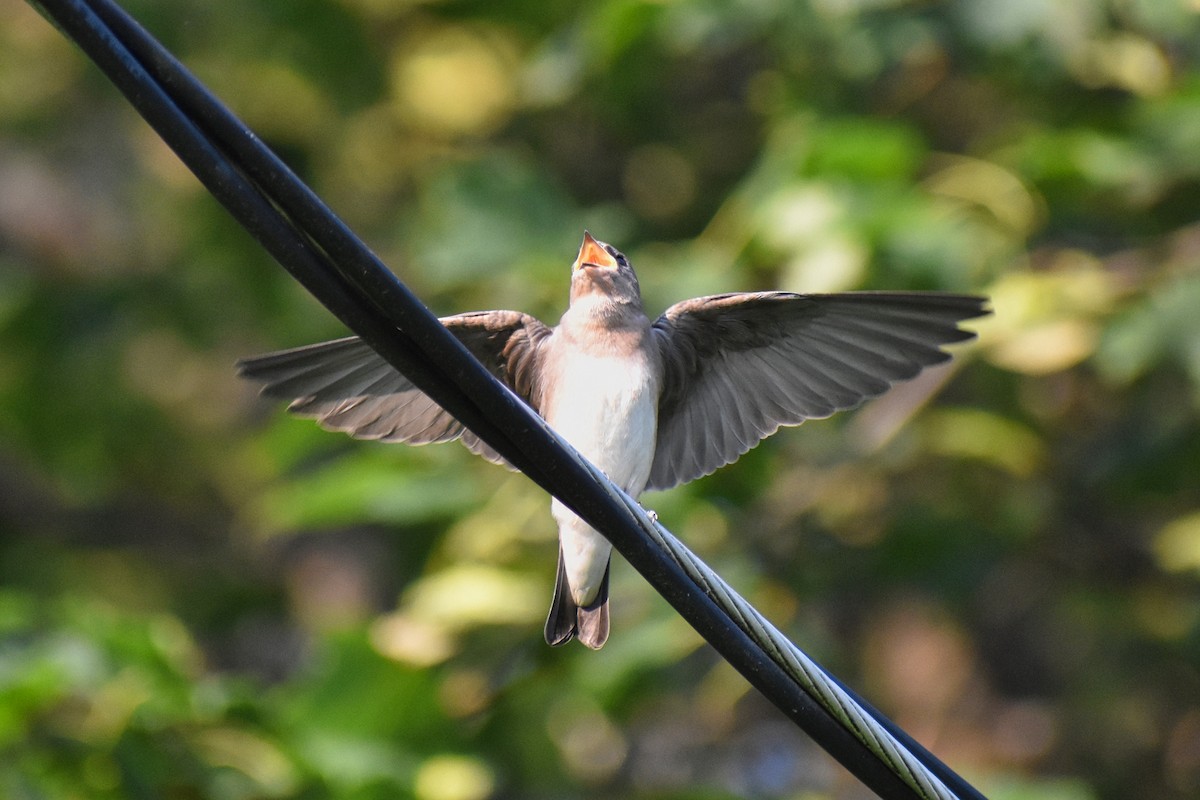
601 273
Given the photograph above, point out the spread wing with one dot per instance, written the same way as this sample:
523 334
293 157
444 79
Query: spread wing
349 387
736 367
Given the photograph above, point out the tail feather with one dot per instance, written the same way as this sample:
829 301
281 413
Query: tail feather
567 620
592 621
561 621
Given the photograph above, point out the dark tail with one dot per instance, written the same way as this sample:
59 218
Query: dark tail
567 621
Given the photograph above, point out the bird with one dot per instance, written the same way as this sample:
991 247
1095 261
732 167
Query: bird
652 403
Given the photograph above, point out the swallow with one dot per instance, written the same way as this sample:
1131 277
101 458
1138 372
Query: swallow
652 403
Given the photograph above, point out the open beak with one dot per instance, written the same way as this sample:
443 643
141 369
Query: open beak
593 254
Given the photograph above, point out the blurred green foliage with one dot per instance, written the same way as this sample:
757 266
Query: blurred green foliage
200 597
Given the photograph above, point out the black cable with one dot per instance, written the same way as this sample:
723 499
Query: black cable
325 256
231 185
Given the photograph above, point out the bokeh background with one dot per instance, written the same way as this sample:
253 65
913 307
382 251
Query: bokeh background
201 597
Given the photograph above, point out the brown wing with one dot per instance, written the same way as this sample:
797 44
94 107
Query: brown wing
348 387
736 367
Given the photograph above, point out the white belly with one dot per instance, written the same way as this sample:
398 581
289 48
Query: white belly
607 409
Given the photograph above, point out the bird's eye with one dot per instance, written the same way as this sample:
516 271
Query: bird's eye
617 255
